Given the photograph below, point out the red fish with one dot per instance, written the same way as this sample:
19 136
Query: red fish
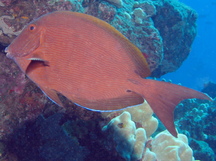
92 64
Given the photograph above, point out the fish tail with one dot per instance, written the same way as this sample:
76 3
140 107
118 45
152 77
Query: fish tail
163 97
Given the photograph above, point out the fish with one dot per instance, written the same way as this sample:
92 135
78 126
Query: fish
93 65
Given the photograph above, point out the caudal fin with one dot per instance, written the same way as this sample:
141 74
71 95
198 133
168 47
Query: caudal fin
163 98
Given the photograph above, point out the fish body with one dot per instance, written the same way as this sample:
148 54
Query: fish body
92 64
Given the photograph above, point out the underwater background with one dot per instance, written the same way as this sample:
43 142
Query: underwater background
178 40
199 68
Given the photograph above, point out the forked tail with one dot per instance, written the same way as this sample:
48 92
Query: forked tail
163 98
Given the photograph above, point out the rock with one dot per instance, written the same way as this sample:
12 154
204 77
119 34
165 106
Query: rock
210 89
176 23
202 151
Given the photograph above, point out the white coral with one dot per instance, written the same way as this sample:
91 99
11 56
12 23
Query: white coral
130 142
7 30
136 144
165 146
143 113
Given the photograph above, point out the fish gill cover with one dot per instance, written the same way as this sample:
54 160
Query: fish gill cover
158 28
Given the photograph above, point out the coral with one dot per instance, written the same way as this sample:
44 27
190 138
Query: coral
165 146
149 156
132 143
139 145
5 29
197 119
141 115
202 150
194 118
139 15
129 140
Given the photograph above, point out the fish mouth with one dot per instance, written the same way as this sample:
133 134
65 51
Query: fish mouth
8 54
6 49
11 55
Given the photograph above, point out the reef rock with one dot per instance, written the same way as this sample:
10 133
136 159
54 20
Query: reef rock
176 24
45 140
197 119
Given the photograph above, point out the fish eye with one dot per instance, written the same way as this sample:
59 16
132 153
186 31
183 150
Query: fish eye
32 27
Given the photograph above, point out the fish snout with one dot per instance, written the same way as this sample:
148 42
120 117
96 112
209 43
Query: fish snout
6 49
8 54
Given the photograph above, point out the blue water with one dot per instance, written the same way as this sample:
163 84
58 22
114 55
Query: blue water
200 67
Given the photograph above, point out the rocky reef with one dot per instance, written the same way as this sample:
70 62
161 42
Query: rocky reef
123 135
20 99
197 119
210 89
